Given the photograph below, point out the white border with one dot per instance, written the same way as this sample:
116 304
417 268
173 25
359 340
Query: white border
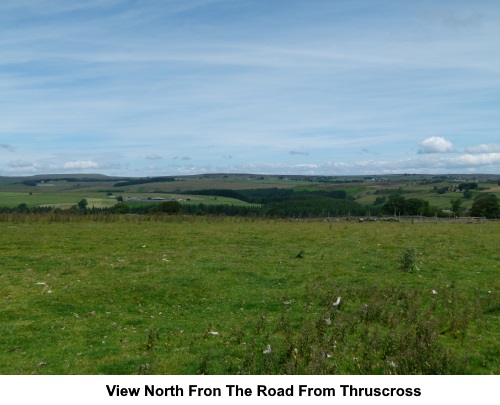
55 390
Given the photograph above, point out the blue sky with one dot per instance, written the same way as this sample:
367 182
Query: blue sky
171 87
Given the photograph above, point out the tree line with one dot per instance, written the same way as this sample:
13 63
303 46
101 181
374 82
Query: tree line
283 203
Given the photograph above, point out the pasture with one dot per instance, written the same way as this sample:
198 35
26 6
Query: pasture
63 191
201 295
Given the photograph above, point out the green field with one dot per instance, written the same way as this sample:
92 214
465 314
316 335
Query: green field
58 191
190 295
57 199
62 191
65 200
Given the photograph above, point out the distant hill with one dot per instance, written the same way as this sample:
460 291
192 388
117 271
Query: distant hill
254 176
47 177
245 177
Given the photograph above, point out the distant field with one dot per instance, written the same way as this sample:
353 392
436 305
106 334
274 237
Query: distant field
192 199
190 295
364 189
61 200
197 184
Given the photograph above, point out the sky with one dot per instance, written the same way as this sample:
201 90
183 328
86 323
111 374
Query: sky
316 87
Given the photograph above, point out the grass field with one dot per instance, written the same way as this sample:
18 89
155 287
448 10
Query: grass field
65 200
62 193
186 295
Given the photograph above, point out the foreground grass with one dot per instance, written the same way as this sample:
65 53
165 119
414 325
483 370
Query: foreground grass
182 295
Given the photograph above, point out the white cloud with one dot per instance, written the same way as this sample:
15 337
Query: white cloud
20 163
295 152
21 167
431 164
81 164
467 160
436 144
153 157
428 163
483 148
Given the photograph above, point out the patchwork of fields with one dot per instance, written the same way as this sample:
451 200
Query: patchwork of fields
64 192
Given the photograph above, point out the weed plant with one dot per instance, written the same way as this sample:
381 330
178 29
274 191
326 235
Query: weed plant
408 259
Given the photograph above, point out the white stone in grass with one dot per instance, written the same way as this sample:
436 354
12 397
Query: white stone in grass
434 291
213 333
268 350
337 303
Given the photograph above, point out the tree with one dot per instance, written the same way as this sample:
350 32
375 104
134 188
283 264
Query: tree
416 206
402 206
119 198
468 186
395 205
169 207
120 208
82 204
23 208
486 205
456 204
468 194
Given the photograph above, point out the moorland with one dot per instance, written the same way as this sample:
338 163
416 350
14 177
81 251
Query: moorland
87 290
